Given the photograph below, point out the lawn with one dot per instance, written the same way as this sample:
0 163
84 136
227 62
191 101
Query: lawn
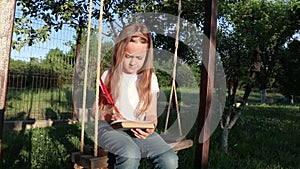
39 104
265 137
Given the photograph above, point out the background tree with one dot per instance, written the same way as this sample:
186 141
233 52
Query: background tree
247 27
288 73
60 65
56 14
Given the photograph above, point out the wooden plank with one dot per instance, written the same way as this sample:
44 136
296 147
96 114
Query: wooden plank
7 13
177 143
184 144
89 161
207 81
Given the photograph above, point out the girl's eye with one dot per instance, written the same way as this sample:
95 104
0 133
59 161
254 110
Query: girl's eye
138 57
128 56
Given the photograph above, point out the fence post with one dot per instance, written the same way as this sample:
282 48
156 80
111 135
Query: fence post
7 13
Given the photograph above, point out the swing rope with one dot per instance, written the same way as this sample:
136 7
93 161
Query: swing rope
85 76
173 87
98 77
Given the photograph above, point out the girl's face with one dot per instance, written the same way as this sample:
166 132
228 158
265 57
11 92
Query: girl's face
135 55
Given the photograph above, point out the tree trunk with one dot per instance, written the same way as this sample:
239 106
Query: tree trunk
224 139
76 71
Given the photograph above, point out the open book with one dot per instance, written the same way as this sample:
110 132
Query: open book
127 124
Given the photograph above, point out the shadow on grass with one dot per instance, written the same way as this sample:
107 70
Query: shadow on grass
40 148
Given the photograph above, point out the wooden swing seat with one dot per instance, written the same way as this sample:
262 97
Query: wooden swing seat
177 142
82 160
181 145
88 161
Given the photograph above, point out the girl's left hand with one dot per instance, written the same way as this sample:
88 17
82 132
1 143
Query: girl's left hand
142 133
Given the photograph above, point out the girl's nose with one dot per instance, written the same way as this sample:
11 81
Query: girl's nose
132 62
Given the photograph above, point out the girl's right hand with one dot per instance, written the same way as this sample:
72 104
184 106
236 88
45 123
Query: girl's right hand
117 116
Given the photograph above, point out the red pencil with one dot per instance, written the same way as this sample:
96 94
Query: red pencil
107 96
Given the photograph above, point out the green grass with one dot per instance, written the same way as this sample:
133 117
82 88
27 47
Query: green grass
39 104
57 103
40 148
272 96
266 137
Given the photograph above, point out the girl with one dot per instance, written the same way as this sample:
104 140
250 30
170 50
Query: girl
133 85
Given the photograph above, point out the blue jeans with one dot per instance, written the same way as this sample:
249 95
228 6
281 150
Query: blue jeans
129 150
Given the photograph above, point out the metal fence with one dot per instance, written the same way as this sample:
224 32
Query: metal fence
36 88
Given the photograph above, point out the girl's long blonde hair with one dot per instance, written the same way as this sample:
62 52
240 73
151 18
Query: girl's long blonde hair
112 81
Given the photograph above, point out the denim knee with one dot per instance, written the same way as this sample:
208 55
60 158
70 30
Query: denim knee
167 160
129 151
129 158
127 163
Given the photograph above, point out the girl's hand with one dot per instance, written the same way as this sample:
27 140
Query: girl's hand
142 133
117 116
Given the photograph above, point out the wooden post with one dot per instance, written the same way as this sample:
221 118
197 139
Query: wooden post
207 85
7 13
